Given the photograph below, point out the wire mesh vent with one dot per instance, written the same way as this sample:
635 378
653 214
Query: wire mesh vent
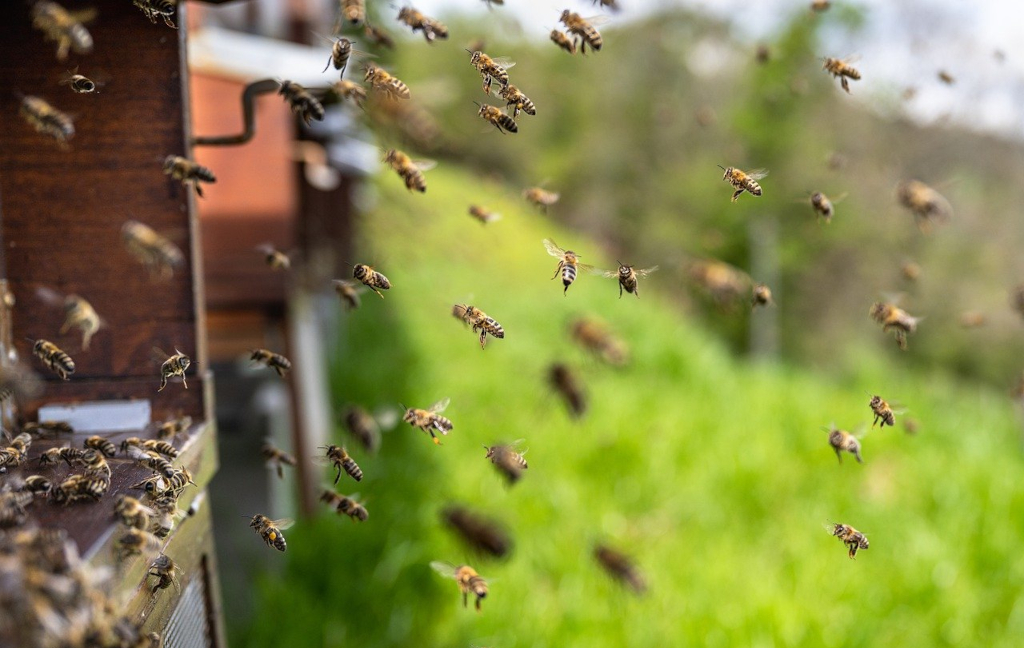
188 625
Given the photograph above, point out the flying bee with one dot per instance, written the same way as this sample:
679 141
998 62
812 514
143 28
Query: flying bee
761 295
136 542
910 270
924 202
468 580
385 83
597 338
78 83
946 77
340 53
372 279
104 446
133 513
166 572
483 214
176 365
345 504
508 459
430 420
583 29
378 36
490 69
411 172
302 102
498 119
620 567
63 27
348 292
540 198
563 41
160 447
270 530
349 91
842 441
274 258
353 12
54 358
742 181
972 319
432 29
339 457
157 253
883 412
480 321
482 534
568 264
842 70
567 384
80 314
852 538
516 101
173 427
272 360
628 277
153 9
895 319
48 120
364 427
823 206
277 458
188 172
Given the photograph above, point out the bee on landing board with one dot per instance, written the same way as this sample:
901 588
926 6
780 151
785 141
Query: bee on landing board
430 420
270 530
188 172
842 441
468 580
841 69
479 321
166 572
743 181
568 264
852 538
628 277
895 319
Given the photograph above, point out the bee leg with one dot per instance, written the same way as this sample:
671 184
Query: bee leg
329 59
736 194
379 293
280 471
163 383
199 190
856 455
557 270
478 604
280 371
338 476
839 456
846 86
483 338
183 381
620 290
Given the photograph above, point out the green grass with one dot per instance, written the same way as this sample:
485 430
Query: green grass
712 472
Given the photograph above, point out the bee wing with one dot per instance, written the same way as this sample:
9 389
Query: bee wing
504 62
283 523
266 248
586 267
49 296
839 198
459 310
424 165
386 417
852 59
553 249
446 569
646 271
599 19
440 405
757 174
606 273
517 446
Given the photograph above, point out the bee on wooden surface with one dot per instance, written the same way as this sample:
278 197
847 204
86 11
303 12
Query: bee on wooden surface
48 120
345 504
743 181
341 460
895 319
135 542
154 9
823 206
364 427
842 70
568 264
820 5
277 458
852 538
63 27
372 279
37 485
174 427
498 119
167 511
78 83
378 36
972 319
54 358
842 441
628 277
348 291
12 508
272 360
479 321
484 535
490 69
188 172
270 530
95 463
508 460
411 172
432 29
156 252
179 479
430 420
883 412
160 447
78 487
568 386
351 11
516 101
583 29
563 41
761 295
385 83
15 454
468 580
176 365
53 456
166 572
349 91
924 202
105 446
302 102
133 513
483 214
152 460
597 338
946 77
620 567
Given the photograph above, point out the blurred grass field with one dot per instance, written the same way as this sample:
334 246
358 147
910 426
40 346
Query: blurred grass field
714 473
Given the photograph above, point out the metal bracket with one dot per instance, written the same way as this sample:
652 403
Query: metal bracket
263 86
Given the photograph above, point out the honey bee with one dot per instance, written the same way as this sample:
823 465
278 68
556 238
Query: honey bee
910 426
63 27
270 530
480 321
568 387
80 487
597 338
160 447
277 458
742 181
882 411
490 69
852 538
583 29
720 280
274 361
620 567
910 270
482 534
823 206
54 358
157 253
353 12
349 91
303 104
568 264
431 28
178 479
188 172
12 508
378 36
895 319
842 70
563 41
176 365
341 460
153 9
946 77
79 84
924 202
498 119
348 292
483 214
762 295
611 4
842 441
133 513
411 172
430 420
363 426
166 572
541 198
340 53
820 5
516 101
468 580
345 504
135 542
372 279
80 314
972 319
48 120
385 83
104 446
37 485
174 427
628 277
508 459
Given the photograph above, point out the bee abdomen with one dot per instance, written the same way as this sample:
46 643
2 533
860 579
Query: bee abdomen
443 424
752 187
381 281
508 123
495 329
352 468
568 275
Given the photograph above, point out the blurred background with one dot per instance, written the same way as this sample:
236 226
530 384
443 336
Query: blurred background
700 450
